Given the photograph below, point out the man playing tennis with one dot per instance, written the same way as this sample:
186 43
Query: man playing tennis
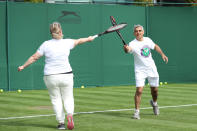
58 76
145 67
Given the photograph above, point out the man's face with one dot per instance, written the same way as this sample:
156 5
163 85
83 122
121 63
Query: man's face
139 33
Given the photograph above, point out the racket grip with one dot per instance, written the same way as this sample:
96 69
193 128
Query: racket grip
95 36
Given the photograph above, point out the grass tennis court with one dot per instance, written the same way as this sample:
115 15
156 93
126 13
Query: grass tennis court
103 109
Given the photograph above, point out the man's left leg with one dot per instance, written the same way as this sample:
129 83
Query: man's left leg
153 102
154 84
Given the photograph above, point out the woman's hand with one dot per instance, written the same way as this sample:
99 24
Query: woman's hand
20 68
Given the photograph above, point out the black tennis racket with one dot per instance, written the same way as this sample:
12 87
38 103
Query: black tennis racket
112 29
113 21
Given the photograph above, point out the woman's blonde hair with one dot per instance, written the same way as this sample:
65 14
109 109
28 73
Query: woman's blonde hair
56 30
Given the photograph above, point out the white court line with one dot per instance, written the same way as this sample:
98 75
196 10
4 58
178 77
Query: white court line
133 109
22 117
92 112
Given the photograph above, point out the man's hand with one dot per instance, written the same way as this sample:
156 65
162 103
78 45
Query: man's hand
165 58
126 48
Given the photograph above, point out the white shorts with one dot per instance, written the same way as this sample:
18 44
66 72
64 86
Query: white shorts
150 74
153 81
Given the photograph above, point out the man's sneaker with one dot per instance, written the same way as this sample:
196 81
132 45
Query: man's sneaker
136 115
155 108
61 126
70 124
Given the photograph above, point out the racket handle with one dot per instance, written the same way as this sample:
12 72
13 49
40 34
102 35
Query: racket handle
95 36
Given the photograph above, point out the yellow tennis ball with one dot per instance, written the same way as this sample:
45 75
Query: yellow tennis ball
82 87
165 83
161 83
19 91
1 90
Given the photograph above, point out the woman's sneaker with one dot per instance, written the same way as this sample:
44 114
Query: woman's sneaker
70 124
61 126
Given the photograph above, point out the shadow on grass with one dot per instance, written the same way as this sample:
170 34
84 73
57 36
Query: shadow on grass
23 123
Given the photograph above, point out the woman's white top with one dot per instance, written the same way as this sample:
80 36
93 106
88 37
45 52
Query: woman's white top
56 54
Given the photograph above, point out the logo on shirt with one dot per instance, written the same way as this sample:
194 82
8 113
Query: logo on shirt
145 52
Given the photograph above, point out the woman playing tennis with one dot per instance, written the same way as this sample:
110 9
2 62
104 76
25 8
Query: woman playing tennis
58 76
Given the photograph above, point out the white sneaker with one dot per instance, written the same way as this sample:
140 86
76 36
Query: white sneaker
155 108
136 115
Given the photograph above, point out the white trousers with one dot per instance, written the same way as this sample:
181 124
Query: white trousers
60 89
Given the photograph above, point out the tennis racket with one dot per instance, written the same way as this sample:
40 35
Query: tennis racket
113 21
112 29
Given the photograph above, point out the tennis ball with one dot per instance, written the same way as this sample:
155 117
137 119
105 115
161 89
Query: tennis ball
161 83
19 91
165 83
1 90
82 87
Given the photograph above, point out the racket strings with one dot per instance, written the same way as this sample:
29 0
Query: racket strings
117 27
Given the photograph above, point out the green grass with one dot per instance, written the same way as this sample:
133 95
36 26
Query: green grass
37 102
